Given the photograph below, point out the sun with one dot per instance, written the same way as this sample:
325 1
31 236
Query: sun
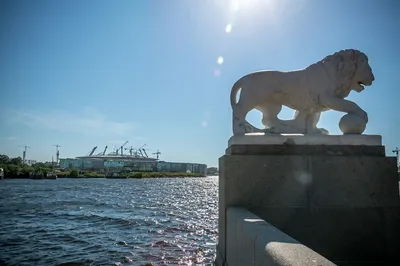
236 5
255 10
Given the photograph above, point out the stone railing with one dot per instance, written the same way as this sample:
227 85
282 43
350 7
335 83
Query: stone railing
252 241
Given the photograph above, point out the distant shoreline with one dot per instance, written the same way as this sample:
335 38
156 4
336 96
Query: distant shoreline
138 175
15 168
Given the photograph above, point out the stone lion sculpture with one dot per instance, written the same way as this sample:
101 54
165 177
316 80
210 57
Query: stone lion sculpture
319 87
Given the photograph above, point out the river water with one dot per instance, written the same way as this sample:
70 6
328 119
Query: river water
156 221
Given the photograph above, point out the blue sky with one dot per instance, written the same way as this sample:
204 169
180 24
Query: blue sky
93 73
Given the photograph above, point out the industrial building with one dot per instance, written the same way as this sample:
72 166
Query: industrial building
130 164
110 162
137 161
181 167
212 171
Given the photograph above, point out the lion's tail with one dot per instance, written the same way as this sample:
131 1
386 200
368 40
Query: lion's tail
234 91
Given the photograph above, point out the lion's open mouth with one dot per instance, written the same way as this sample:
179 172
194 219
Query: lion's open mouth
365 83
361 84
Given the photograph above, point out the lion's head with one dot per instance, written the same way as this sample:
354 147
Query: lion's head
363 75
351 71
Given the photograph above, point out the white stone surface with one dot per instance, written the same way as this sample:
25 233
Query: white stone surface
252 241
351 139
352 124
319 87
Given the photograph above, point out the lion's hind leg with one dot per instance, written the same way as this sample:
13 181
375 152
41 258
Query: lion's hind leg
271 121
239 123
238 118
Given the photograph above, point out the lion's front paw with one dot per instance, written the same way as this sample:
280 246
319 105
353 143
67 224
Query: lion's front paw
363 115
271 130
320 131
323 131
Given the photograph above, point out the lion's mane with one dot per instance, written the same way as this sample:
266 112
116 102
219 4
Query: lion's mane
341 68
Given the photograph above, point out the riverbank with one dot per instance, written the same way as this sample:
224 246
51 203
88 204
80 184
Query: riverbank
121 176
130 175
14 169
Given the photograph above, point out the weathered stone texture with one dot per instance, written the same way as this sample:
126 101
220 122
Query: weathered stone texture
345 207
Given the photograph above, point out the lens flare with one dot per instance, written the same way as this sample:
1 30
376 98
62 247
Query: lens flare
235 5
228 28
220 60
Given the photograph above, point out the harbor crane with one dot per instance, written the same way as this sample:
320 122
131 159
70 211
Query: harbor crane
396 151
142 146
141 153
141 150
24 153
103 152
144 150
158 153
91 153
122 148
131 149
57 153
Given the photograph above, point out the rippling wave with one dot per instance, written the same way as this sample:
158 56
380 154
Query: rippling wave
108 221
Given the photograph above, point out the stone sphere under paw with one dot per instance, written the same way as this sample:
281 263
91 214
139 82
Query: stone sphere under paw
352 124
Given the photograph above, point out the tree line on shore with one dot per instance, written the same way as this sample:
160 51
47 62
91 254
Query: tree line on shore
15 168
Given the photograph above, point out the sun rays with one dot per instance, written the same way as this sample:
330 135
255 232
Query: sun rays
239 9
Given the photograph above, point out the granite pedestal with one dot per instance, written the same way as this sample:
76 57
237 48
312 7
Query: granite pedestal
341 199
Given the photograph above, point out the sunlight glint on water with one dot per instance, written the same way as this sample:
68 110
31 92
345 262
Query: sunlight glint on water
106 221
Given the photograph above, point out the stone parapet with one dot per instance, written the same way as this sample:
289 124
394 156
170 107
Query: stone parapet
343 205
253 241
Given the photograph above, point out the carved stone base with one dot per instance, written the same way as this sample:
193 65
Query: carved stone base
343 205
276 139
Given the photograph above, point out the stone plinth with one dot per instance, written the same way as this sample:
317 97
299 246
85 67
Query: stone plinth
340 200
293 139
